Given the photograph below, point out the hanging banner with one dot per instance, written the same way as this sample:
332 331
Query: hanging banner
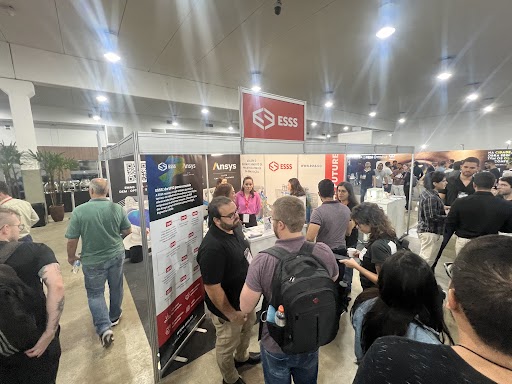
266 116
224 167
175 188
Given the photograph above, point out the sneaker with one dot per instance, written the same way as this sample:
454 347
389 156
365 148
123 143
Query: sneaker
107 338
116 321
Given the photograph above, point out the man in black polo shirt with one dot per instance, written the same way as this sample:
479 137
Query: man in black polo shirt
479 214
224 258
463 184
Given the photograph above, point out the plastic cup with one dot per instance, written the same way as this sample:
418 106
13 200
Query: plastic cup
351 252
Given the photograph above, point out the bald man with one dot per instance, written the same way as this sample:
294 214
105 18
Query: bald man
102 225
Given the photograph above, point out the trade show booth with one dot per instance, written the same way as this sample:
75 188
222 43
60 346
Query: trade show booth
164 183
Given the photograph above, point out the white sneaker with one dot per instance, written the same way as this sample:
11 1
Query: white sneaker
107 338
115 322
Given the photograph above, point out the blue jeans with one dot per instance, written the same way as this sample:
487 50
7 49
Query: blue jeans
280 368
95 277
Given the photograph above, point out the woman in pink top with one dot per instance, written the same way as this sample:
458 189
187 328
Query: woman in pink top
248 202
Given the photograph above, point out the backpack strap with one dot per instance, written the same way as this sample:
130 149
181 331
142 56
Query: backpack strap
7 250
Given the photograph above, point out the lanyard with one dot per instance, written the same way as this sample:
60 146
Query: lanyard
5 200
246 202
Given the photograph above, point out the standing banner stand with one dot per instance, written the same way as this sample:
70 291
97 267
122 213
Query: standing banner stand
176 184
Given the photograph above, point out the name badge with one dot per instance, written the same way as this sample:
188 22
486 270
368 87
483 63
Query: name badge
362 253
245 218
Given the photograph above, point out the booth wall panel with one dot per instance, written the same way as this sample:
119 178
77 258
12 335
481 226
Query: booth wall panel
323 148
158 143
268 146
278 170
254 166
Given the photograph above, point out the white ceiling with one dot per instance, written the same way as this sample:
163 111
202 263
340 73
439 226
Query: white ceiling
314 46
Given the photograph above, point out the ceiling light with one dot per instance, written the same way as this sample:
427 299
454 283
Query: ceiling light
205 111
372 114
508 142
489 108
328 104
390 134
346 128
230 128
101 99
385 32
424 146
328 136
256 88
401 120
96 117
472 96
443 76
112 57
175 123
314 124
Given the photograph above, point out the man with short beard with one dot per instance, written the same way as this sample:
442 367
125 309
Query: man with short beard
224 257
505 188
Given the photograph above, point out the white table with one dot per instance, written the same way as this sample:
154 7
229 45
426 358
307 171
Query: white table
394 207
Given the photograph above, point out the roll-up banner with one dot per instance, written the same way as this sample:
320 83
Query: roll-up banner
175 189
267 116
123 184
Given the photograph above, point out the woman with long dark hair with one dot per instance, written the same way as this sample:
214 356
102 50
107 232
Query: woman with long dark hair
295 188
371 219
248 203
408 302
345 195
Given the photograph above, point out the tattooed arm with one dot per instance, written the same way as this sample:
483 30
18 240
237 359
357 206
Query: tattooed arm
52 278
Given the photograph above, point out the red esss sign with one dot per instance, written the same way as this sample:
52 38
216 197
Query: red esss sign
268 117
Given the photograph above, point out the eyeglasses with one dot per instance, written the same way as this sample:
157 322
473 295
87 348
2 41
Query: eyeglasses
21 227
231 215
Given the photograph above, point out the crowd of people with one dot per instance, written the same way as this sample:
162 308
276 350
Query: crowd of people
399 325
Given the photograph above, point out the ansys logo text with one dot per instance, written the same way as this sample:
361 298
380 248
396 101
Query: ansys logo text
224 167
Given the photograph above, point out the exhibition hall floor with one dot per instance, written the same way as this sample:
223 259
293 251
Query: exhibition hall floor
128 360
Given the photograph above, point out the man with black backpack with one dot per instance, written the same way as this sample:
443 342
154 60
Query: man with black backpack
29 320
296 278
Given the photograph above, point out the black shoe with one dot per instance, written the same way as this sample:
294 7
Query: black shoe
254 358
239 381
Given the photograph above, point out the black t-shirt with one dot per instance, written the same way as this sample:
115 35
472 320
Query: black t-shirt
393 359
367 178
376 253
27 261
454 187
222 259
496 173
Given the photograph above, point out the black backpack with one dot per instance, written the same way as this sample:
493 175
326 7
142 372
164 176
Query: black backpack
18 325
302 285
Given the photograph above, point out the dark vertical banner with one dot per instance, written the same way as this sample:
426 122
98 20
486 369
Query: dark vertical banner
224 167
123 183
175 191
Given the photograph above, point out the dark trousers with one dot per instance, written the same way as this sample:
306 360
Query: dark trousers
447 235
252 220
21 369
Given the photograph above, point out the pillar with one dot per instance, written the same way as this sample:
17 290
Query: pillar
19 93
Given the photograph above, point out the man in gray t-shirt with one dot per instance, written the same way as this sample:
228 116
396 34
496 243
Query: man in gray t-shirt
288 220
329 222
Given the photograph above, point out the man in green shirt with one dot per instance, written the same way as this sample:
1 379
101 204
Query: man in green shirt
102 225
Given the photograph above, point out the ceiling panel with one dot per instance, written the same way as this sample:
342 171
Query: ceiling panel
34 25
208 24
147 27
90 27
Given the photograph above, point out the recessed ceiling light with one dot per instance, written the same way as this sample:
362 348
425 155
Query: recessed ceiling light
96 117
472 96
256 88
390 134
401 120
424 146
230 128
328 104
112 57
372 114
205 111
175 123
489 108
508 142
346 128
328 136
314 124
385 32
101 99
443 76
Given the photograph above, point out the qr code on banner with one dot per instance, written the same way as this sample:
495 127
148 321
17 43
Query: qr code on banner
130 175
